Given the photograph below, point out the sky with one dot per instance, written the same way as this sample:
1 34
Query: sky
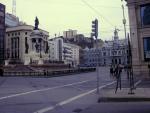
56 16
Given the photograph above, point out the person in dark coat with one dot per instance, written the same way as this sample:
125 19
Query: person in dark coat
118 76
111 71
1 72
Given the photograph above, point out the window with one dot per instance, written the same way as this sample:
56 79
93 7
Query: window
145 15
104 53
146 43
26 33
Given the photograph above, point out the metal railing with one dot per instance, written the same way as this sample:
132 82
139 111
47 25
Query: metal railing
49 73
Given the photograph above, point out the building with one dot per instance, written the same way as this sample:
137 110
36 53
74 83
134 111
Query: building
11 20
26 46
112 52
61 51
68 54
75 54
2 33
139 17
70 33
56 49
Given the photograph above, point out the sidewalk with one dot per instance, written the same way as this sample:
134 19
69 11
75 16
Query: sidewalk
140 94
107 95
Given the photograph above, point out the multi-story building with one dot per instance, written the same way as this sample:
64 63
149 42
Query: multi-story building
139 17
2 33
67 54
11 20
112 52
64 52
75 54
70 33
25 45
56 49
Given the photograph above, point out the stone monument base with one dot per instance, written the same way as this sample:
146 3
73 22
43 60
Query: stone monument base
40 62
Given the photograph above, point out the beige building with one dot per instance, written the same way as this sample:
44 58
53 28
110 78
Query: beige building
139 17
75 54
70 33
61 51
56 49
25 45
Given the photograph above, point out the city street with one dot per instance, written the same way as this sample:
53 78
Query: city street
66 94
51 95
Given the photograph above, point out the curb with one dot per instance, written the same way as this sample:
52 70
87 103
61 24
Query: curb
123 99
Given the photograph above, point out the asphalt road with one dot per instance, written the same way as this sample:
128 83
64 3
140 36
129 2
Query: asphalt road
66 94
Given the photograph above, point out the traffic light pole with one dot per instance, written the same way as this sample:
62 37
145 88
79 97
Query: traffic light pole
97 67
95 34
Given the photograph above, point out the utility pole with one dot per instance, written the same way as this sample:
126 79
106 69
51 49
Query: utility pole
14 7
95 34
125 31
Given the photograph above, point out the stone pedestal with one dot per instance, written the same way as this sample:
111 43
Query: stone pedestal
6 62
40 62
27 62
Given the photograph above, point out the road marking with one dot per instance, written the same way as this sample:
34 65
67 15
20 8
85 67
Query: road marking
40 90
137 83
71 99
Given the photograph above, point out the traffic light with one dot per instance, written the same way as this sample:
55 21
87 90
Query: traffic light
95 28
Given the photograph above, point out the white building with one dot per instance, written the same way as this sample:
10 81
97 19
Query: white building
70 33
25 45
75 54
56 49
61 51
67 54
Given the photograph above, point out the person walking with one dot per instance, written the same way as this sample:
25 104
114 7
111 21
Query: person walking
111 71
118 76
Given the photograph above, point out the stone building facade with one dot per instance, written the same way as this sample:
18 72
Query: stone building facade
112 52
139 17
2 33
25 45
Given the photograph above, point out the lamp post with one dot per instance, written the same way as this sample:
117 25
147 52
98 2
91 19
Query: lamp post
125 32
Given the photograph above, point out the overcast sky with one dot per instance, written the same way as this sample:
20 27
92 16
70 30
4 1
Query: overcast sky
55 16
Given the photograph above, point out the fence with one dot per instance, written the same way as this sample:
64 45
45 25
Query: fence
49 73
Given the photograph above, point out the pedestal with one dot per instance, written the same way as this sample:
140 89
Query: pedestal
6 62
40 62
27 61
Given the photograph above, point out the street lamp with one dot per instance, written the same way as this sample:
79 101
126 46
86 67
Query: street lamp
95 34
125 31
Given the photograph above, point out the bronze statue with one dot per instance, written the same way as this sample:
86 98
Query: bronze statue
36 24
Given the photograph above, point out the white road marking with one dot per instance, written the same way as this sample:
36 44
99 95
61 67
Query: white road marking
40 90
71 99
137 83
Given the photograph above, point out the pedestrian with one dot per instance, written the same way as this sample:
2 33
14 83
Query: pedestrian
118 77
1 72
45 73
111 71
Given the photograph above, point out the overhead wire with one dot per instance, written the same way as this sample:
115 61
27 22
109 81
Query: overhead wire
97 12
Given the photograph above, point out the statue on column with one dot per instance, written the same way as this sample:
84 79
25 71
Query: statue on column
36 24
